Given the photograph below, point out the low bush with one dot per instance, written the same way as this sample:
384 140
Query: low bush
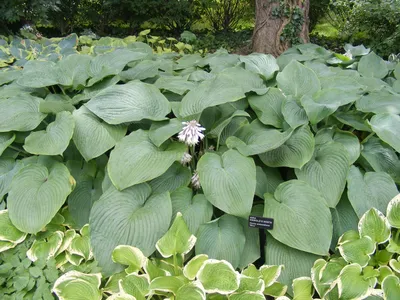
123 138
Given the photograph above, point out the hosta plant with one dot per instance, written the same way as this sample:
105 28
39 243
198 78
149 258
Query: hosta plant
124 139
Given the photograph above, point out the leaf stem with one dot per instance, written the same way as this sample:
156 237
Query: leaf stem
368 137
19 150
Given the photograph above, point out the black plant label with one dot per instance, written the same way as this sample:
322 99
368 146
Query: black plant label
260 222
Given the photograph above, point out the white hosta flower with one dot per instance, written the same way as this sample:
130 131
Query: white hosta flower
196 180
191 133
348 54
186 158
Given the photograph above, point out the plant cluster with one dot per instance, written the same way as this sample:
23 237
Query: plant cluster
30 264
124 138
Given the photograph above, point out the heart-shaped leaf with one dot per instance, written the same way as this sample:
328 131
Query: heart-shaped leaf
131 102
372 189
298 80
218 277
177 240
196 210
327 172
375 225
130 217
385 126
357 250
92 136
136 159
34 185
290 209
372 65
175 177
391 287
129 256
55 139
294 153
77 285
263 64
222 238
351 283
228 181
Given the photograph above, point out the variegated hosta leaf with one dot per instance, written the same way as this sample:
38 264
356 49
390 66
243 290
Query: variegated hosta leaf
42 249
130 102
294 153
321 287
375 225
393 212
372 189
55 139
129 256
136 159
135 285
191 291
218 276
252 284
76 285
270 274
193 266
133 217
168 284
384 271
121 296
196 209
395 265
357 251
290 207
297 264
8 232
228 181
5 245
303 288
247 295
69 235
351 283
36 194
391 287
177 240
327 172
80 246
222 238
92 136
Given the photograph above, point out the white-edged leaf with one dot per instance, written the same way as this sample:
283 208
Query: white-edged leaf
77 285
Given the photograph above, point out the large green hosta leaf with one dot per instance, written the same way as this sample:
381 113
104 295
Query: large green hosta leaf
38 73
349 141
230 85
36 194
263 64
372 189
8 168
176 176
268 179
381 157
130 217
372 65
92 136
298 80
130 102
55 139
73 70
294 153
196 209
6 139
20 113
222 238
325 102
290 208
256 138
386 127
327 172
297 263
268 107
136 159
228 181
380 102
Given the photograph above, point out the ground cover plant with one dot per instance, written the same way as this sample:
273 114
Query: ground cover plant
123 139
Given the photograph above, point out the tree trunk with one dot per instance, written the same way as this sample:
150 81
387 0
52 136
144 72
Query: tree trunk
268 29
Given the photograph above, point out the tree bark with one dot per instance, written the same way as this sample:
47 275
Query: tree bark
268 29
